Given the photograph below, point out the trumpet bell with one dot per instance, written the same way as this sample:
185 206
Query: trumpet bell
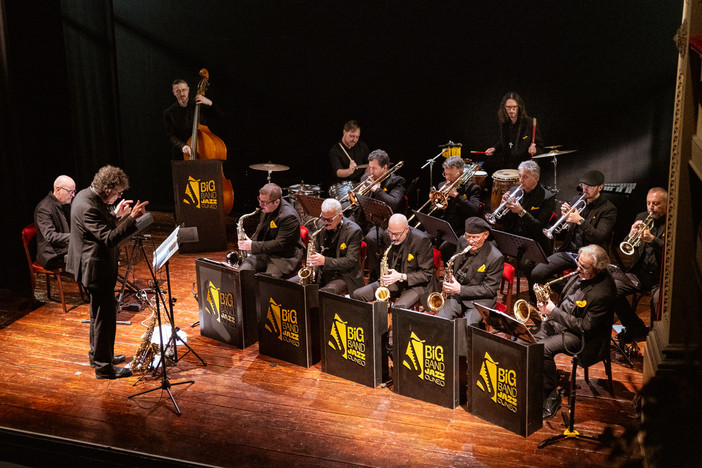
382 294
627 248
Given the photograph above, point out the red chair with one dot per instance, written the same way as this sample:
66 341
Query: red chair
437 261
29 242
507 278
364 248
305 235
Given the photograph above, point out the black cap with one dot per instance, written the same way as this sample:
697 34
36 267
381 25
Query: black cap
592 178
475 225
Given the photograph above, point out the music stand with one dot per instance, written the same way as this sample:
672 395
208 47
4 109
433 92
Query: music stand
161 256
519 247
311 205
137 239
504 323
438 228
376 211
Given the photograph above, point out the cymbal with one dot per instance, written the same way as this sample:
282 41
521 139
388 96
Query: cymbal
553 147
269 167
552 154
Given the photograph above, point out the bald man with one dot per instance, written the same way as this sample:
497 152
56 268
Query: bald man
51 217
410 264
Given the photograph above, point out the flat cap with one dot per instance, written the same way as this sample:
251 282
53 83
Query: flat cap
475 225
592 178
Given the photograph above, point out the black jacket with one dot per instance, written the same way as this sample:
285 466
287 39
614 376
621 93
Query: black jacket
278 232
600 216
345 262
539 205
53 231
479 274
461 207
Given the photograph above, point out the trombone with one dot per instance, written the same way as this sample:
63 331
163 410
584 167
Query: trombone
440 198
503 208
561 223
365 187
629 245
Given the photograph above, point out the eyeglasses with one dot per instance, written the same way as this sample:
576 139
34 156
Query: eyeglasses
264 202
585 267
396 234
328 220
511 107
70 192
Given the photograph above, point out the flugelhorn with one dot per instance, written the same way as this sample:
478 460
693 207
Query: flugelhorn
365 187
503 208
633 241
561 223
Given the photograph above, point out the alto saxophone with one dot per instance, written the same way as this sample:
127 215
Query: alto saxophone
383 293
146 350
237 257
436 300
308 273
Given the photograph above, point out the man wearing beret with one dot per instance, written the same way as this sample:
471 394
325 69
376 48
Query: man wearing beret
410 264
477 271
593 224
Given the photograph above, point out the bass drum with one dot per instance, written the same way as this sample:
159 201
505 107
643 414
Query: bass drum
502 181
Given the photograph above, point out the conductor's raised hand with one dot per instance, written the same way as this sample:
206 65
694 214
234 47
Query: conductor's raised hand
139 209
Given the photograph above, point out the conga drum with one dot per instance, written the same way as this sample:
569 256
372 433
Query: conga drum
502 181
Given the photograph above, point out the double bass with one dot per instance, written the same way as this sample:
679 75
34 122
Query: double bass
206 145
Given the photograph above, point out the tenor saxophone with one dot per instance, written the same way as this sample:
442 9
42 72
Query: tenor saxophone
307 273
146 350
383 293
436 300
237 257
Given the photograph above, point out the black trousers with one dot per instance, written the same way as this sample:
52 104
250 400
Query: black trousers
103 327
556 339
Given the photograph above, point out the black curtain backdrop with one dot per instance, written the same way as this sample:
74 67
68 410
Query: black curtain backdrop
599 76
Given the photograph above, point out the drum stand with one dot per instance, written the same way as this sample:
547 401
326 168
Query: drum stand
554 190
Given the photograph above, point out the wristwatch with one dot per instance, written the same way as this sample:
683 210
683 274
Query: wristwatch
522 213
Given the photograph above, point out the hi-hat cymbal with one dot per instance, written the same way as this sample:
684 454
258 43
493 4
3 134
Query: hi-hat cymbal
269 167
552 154
553 147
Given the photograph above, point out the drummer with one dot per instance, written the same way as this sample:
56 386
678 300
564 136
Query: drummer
347 154
463 202
518 140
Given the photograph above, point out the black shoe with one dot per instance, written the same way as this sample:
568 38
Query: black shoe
113 373
552 404
631 334
120 358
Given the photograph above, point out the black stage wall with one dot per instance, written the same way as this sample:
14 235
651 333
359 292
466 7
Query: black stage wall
598 75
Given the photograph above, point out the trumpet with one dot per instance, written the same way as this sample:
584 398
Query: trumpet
629 245
365 187
561 223
503 208
383 293
436 300
524 311
440 198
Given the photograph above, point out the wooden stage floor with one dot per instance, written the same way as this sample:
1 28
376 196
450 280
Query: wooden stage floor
245 409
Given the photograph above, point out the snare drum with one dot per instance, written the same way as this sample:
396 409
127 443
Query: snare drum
340 189
304 189
502 181
479 178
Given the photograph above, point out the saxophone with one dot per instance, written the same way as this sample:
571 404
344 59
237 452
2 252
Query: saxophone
237 257
436 300
308 273
383 293
146 350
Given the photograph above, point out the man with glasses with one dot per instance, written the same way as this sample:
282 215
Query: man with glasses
476 274
51 217
585 312
463 202
410 265
593 224
276 247
97 227
517 140
337 251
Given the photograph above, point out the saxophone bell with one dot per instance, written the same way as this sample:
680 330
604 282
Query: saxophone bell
523 311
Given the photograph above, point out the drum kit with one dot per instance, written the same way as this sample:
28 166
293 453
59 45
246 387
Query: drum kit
554 153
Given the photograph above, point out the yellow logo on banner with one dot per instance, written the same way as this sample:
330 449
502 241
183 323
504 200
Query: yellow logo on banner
220 304
282 323
482 268
201 194
342 246
348 340
272 225
213 300
410 257
582 303
426 360
499 382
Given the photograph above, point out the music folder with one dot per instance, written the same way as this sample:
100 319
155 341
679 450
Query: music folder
437 228
504 323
